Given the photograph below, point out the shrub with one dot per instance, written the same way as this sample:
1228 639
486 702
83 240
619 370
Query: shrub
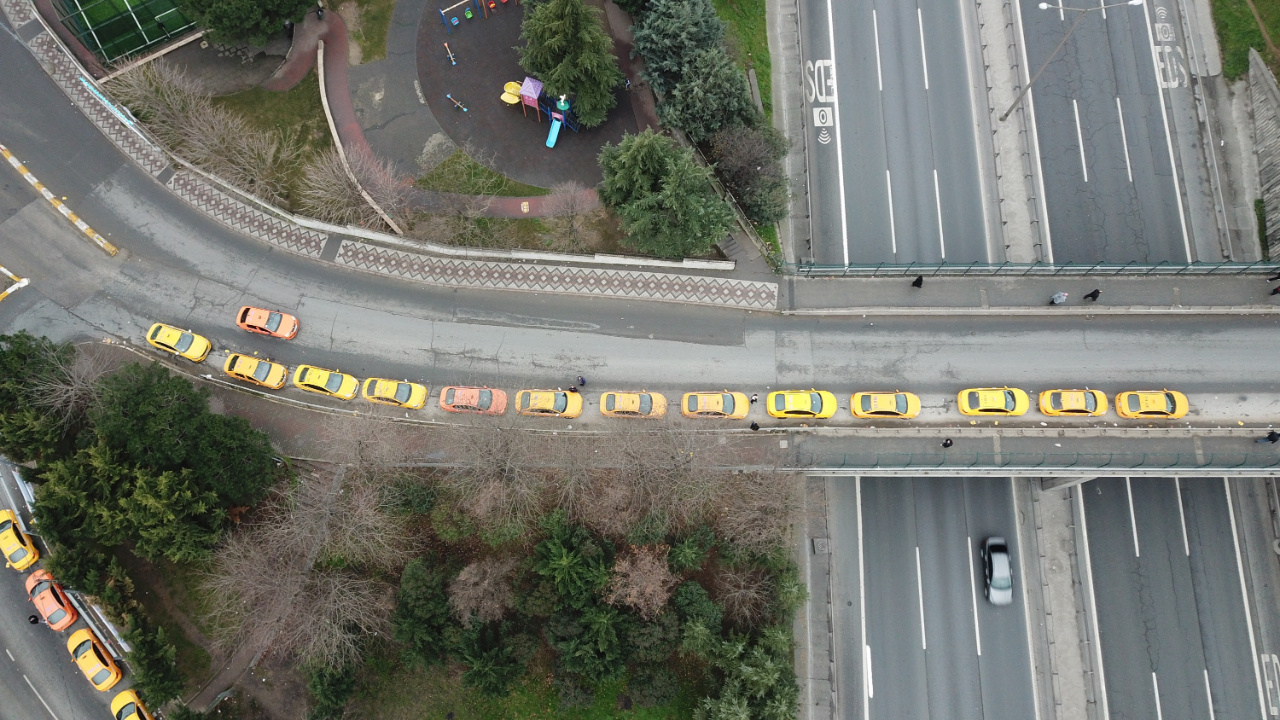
694 605
691 552
155 676
653 685
748 161
422 611
330 689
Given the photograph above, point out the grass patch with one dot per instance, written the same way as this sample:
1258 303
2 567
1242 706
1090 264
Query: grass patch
295 112
1238 31
375 22
769 234
749 41
460 174
412 693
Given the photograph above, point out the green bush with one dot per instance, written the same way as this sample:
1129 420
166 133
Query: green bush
651 530
571 692
574 562
155 675
653 642
653 685
422 613
330 689
588 643
693 605
691 552
450 524
711 96
492 666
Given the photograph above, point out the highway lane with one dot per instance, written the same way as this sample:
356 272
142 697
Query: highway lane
894 165
1172 629
1109 181
937 648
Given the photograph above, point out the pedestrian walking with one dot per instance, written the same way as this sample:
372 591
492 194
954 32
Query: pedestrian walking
33 619
1093 295
755 397
1276 291
1271 437
946 443
581 381
573 389
755 425
918 282
1273 278
1058 298
628 84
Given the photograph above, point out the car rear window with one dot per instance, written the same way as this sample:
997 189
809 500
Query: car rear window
1135 404
18 556
973 400
522 401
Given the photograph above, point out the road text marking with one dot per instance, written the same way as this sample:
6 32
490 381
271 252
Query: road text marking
1124 140
1075 108
844 213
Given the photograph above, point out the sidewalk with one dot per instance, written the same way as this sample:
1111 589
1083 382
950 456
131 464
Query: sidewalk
1014 294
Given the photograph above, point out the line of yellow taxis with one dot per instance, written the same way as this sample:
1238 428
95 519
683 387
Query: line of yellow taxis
51 601
799 404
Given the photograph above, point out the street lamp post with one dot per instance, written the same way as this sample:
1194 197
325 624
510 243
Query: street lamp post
1082 12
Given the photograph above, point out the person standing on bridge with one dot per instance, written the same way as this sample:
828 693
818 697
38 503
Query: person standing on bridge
1058 298
1272 437
1093 295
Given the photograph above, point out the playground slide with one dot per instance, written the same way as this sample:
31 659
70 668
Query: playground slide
555 133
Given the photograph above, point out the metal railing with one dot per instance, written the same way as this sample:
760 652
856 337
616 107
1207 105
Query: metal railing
1033 463
1008 269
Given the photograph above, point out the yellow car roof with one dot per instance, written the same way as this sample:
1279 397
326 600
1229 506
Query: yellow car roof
1152 401
884 402
799 400
542 399
1073 399
991 399
710 402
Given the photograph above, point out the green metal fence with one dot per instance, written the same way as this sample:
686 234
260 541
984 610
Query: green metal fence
1043 463
1015 270
114 29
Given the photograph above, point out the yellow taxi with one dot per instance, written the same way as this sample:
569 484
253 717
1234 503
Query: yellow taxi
556 403
817 404
19 552
179 342
727 405
127 706
1083 403
253 370
633 405
395 392
993 401
93 659
871 405
325 382
1138 404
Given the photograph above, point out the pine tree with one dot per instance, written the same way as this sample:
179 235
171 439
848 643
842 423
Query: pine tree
669 33
711 96
567 48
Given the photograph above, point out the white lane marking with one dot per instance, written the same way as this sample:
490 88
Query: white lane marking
1244 596
1093 609
11 658
924 644
42 702
1075 108
871 687
924 58
875 26
868 688
835 111
973 592
1182 515
1168 139
937 196
1128 489
1124 140
1208 693
1102 4
1155 686
1030 113
893 232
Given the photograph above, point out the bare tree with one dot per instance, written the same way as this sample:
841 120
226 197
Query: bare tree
569 210
328 193
338 610
71 384
501 483
483 590
755 510
744 593
642 581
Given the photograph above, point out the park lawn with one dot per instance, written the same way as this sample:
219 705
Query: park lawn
748 39
1238 31
375 22
413 693
464 176
296 112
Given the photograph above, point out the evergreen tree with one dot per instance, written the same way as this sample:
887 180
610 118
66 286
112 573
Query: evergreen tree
422 610
635 167
253 21
567 48
710 96
152 661
669 33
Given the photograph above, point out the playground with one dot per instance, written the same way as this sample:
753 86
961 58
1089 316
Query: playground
507 117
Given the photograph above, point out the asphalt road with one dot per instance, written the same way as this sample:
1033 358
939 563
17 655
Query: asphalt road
935 648
1170 611
1104 142
893 152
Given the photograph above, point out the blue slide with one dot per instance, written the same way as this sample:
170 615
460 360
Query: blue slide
555 133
